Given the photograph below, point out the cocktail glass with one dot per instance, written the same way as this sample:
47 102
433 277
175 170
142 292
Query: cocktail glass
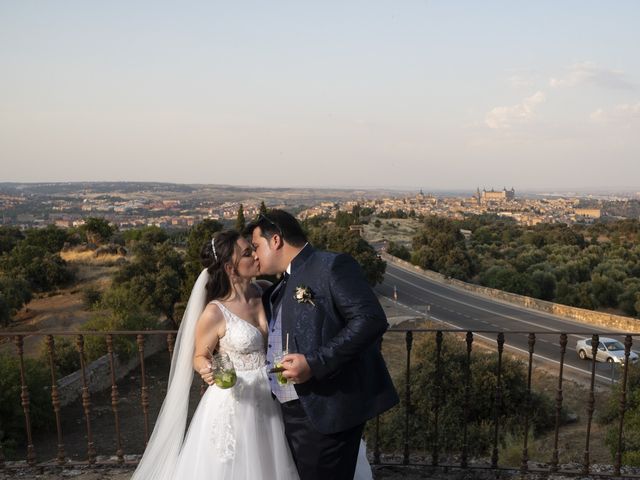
224 374
282 380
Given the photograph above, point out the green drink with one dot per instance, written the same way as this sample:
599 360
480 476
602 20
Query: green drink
226 379
224 374
282 380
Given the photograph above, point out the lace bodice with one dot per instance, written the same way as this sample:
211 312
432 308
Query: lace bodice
243 342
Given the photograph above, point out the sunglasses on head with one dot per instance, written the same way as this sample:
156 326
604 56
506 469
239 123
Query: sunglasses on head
262 216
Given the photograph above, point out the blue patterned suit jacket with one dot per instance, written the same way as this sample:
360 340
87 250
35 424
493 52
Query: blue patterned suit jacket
340 337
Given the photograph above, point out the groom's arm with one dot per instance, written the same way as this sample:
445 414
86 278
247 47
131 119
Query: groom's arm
365 320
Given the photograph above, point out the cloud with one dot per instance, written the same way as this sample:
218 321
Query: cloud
588 73
506 117
519 81
622 114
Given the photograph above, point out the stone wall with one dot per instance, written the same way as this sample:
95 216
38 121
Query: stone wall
588 317
98 372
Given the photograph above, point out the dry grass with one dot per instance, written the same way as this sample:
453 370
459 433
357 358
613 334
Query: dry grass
64 309
88 258
572 437
393 229
91 271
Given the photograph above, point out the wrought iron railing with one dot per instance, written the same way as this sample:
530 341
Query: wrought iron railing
552 464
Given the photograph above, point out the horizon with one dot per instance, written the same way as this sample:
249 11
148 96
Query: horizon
364 95
395 189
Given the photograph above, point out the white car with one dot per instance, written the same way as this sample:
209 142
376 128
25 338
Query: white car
609 350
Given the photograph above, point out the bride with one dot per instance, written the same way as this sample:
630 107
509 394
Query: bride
235 433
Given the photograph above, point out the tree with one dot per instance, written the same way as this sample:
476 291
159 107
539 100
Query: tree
150 234
97 230
508 279
240 220
169 281
51 238
398 250
576 295
263 208
440 246
546 284
366 211
15 292
528 257
156 276
343 240
9 238
630 297
199 234
44 271
356 211
345 219
606 290
398 213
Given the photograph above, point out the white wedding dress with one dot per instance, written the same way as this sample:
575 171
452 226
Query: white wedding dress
238 433
235 434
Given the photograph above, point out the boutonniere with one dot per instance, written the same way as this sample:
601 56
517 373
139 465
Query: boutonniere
304 294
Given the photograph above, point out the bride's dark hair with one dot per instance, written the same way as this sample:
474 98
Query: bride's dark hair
219 285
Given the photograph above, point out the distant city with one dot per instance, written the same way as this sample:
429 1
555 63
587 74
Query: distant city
131 205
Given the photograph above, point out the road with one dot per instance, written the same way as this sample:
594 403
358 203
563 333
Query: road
457 308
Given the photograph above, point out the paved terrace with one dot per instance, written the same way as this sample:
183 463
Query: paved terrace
379 473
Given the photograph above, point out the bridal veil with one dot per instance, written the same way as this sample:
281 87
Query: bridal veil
161 455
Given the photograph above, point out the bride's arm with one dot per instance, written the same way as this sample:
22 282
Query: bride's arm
209 329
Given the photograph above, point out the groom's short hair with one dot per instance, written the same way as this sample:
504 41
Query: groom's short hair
277 221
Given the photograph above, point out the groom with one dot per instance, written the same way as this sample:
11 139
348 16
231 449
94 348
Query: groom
325 312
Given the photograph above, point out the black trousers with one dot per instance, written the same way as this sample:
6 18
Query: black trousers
319 456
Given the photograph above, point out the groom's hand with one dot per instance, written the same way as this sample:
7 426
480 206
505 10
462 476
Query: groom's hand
296 368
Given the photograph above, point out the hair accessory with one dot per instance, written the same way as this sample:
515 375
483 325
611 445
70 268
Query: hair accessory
213 246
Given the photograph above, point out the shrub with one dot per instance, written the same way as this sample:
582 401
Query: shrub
43 270
91 296
451 413
12 419
610 416
120 309
66 355
399 251
124 345
14 293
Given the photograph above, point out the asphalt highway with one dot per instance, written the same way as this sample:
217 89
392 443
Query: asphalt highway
457 308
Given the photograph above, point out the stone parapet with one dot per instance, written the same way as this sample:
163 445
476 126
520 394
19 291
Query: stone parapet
98 372
588 317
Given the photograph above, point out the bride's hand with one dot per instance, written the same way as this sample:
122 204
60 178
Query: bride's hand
207 374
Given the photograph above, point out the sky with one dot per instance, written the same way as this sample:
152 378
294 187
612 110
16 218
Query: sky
333 93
